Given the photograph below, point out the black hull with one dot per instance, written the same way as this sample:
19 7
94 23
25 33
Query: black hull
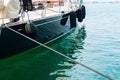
45 30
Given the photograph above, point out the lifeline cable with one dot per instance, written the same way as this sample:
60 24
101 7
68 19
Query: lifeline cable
59 53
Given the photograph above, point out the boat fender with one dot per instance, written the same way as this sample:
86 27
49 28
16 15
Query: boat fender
73 19
83 11
64 19
30 30
79 15
27 5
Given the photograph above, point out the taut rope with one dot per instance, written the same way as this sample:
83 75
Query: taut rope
59 53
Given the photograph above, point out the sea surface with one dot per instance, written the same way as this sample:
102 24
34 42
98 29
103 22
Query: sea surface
97 46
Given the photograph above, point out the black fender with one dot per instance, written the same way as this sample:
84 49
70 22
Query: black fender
73 22
83 11
79 15
27 5
64 19
30 30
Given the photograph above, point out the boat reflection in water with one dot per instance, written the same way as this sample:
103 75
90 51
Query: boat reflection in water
69 46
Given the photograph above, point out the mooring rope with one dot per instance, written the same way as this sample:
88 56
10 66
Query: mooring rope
59 53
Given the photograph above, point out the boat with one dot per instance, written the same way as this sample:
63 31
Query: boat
41 20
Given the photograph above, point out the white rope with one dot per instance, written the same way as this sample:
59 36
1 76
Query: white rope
60 53
28 17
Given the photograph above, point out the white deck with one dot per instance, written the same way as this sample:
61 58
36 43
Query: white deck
41 14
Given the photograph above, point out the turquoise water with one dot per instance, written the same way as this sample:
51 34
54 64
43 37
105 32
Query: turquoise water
97 46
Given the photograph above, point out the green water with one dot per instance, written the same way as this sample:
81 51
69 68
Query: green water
40 63
97 46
